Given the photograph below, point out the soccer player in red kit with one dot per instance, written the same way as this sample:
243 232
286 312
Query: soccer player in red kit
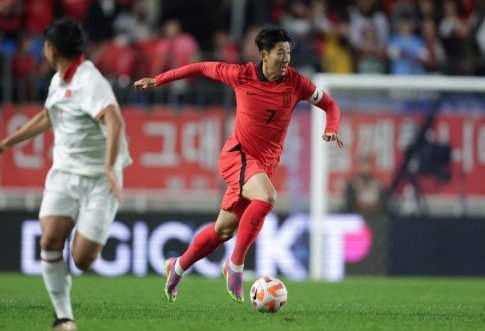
266 95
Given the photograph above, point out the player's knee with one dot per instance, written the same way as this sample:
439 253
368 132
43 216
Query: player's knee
51 243
226 233
268 197
226 230
83 263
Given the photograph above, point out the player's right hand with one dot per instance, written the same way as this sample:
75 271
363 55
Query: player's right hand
114 186
146 84
332 136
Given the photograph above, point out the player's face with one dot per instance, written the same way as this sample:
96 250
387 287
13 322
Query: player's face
49 54
278 58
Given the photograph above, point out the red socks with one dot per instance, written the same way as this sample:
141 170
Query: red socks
207 241
204 244
249 227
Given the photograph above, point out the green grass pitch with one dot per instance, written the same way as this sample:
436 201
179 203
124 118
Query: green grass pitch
131 303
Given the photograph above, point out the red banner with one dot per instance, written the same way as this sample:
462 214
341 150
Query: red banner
387 136
179 151
26 164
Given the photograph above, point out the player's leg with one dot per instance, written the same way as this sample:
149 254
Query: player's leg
249 181
259 190
55 272
209 239
84 251
205 242
58 210
96 214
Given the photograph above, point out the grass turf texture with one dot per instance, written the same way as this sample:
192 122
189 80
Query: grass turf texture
130 303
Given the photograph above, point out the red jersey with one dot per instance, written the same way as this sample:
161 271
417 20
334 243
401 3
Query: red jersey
264 108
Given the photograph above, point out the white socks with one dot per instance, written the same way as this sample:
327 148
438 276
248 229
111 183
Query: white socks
178 269
235 267
57 280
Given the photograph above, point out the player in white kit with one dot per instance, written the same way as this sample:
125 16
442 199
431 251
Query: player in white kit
83 187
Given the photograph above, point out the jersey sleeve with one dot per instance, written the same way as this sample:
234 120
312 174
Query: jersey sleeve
223 72
309 92
98 97
305 87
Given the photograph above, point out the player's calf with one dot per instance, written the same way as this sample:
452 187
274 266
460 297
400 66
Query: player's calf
83 262
84 265
85 251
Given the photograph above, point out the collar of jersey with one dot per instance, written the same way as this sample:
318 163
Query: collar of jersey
67 77
262 77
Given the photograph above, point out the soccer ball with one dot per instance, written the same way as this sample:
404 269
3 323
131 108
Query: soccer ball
268 294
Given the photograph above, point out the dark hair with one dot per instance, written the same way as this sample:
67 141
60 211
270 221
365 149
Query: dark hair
268 37
66 35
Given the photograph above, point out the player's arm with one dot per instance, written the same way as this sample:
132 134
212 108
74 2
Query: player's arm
226 73
37 125
100 103
111 117
323 101
114 127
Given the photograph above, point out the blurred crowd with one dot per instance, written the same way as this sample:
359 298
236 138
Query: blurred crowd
129 39
399 37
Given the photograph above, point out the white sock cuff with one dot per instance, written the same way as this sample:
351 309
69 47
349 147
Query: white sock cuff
178 269
235 267
50 255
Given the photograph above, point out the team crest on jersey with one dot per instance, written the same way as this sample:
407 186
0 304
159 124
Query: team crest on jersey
68 93
286 98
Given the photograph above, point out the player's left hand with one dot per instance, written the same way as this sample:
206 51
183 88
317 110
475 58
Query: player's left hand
114 186
145 84
329 136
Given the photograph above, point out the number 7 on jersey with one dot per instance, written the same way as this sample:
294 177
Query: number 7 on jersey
272 112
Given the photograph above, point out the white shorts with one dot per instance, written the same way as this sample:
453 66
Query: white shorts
85 199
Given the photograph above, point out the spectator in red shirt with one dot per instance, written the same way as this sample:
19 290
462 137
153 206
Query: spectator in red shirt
146 49
175 49
467 9
23 68
278 11
224 49
75 8
11 18
116 61
436 52
38 14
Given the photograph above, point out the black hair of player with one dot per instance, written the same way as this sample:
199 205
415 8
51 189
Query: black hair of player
67 36
268 37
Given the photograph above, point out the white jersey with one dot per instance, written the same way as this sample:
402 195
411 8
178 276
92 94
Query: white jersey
75 104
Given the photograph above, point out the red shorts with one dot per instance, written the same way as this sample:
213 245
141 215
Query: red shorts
236 167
